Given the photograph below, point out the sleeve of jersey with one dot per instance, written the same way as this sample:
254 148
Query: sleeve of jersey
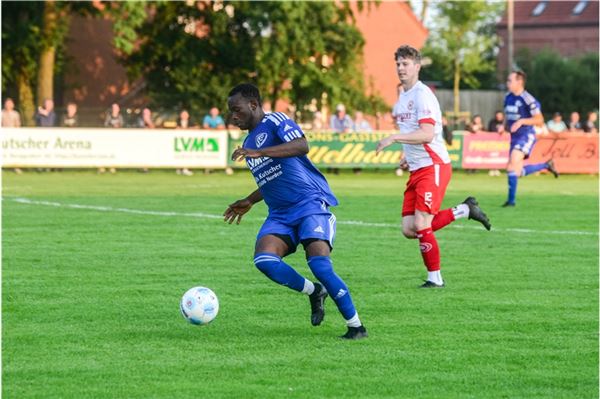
425 109
288 130
535 108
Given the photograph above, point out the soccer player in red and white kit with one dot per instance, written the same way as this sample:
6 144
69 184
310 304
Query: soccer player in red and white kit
419 119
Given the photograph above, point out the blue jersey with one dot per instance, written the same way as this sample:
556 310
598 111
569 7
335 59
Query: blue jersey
291 187
519 107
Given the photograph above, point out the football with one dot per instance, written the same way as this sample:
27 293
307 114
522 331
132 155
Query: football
199 305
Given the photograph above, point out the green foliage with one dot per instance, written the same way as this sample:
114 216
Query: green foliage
463 31
561 84
191 54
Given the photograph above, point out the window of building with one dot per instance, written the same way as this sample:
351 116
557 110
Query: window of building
539 8
579 7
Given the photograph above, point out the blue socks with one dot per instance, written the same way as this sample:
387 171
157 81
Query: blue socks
529 169
322 268
279 271
513 179
512 187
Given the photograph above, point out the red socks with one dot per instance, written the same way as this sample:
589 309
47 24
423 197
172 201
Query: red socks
429 247
442 219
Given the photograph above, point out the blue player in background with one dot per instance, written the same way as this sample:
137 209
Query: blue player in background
522 112
298 198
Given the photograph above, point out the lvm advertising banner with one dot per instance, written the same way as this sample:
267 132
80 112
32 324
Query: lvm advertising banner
123 148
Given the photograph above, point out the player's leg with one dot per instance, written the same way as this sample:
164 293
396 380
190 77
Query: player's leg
536 167
276 240
430 250
430 189
317 233
513 171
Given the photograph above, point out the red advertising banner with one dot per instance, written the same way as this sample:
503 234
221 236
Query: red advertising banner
485 150
572 153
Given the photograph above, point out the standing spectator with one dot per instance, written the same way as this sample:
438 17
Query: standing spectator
590 125
213 120
496 125
145 120
476 124
45 116
10 117
114 119
361 124
575 122
70 118
556 124
340 122
317 122
184 122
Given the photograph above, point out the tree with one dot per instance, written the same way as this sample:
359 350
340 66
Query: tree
561 84
191 54
462 44
33 38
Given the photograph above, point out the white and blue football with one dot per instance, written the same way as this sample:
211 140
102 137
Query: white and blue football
199 305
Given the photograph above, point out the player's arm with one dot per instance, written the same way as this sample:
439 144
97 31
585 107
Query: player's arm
293 148
240 207
423 135
535 120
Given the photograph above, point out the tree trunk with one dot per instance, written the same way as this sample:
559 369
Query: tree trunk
45 87
456 86
424 6
27 106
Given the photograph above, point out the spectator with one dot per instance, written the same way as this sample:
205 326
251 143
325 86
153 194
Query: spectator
340 122
446 132
184 122
575 122
70 118
145 120
317 122
590 125
496 125
213 120
556 124
10 117
360 123
476 124
114 119
45 116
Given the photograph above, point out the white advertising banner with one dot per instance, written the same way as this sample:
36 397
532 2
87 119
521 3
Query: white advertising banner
119 148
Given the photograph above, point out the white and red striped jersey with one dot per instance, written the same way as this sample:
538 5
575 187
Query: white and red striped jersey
415 106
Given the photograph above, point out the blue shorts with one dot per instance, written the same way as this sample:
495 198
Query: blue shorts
524 144
312 227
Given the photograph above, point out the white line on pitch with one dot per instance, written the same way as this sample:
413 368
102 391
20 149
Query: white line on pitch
202 215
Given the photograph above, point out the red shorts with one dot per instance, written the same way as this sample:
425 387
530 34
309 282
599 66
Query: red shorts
426 188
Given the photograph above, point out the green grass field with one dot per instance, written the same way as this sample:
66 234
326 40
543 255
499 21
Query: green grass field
94 267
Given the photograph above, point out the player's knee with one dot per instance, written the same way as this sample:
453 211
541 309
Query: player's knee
266 262
321 267
409 232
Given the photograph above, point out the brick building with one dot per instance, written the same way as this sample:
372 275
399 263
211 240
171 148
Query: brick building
568 27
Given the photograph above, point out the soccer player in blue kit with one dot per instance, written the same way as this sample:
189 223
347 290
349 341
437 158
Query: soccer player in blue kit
298 198
522 112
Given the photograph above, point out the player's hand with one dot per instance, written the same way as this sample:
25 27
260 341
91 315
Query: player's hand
403 164
241 153
515 126
383 144
236 211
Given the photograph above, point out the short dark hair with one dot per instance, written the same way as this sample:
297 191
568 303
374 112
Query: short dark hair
247 90
521 75
407 51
